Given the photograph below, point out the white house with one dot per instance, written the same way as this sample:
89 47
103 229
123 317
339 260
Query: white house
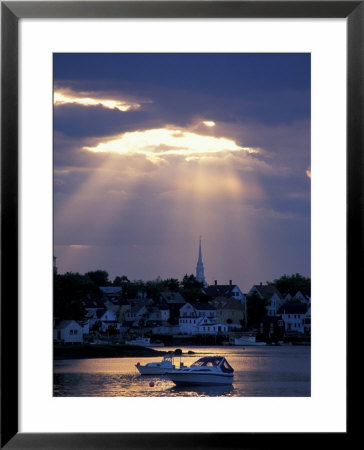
302 297
109 319
274 303
307 320
67 331
287 297
208 326
190 313
294 315
92 317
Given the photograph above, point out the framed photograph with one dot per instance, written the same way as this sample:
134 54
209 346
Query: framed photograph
174 174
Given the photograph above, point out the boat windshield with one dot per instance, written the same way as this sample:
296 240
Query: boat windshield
214 361
209 362
225 367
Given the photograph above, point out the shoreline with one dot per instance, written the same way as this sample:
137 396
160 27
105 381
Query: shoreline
88 351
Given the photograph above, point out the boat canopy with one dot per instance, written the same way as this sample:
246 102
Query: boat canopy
211 361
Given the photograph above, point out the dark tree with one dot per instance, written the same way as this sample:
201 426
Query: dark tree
190 282
255 310
292 284
69 291
99 277
153 288
192 290
121 281
171 284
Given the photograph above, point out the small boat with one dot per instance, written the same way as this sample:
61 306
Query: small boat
206 371
144 342
157 368
247 340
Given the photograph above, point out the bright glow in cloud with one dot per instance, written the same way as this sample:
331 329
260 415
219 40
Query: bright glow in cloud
79 246
209 123
63 97
159 142
308 173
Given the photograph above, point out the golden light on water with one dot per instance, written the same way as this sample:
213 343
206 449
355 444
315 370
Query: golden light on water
62 98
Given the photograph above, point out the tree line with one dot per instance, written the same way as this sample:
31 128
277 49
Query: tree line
72 287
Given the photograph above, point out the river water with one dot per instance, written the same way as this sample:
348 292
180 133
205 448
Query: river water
267 371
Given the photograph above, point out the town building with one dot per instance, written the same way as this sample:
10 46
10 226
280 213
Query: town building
303 297
109 321
271 329
191 313
111 293
174 302
95 308
67 331
137 315
307 320
225 290
210 326
229 311
270 293
294 315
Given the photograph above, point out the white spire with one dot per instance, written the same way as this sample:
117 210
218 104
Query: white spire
200 276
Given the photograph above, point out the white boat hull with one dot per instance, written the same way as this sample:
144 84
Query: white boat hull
143 370
195 379
152 370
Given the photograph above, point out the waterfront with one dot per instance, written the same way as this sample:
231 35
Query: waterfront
267 371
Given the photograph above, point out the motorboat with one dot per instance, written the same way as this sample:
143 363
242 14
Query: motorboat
248 340
206 371
157 368
144 342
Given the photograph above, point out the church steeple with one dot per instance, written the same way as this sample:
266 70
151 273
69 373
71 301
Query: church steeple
200 276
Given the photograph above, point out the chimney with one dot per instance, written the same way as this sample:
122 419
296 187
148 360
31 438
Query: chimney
215 282
230 282
261 283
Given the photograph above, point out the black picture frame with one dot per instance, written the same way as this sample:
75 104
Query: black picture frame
11 12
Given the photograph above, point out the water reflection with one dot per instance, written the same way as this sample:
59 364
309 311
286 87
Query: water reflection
268 372
203 391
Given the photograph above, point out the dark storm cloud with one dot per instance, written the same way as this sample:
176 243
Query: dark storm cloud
93 121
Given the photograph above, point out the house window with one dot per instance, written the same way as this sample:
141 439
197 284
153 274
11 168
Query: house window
75 331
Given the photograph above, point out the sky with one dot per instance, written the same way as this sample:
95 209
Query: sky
152 151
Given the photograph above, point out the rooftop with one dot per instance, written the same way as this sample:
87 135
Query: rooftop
293 308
